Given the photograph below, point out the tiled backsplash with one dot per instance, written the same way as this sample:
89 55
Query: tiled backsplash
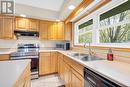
118 55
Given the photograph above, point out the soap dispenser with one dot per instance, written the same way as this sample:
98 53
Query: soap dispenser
110 55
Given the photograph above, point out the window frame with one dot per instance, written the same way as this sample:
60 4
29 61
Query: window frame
95 16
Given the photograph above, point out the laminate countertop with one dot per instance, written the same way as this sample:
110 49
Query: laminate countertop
10 71
7 51
115 71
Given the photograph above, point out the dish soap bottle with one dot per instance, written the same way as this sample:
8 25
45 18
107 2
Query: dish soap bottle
110 55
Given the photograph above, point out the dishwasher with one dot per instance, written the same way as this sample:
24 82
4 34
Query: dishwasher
92 79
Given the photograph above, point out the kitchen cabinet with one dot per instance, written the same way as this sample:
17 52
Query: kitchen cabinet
60 65
48 63
27 24
60 31
24 80
22 23
76 79
34 25
43 31
71 72
67 74
4 57
6 27
44 63
68 31
54 62
52 31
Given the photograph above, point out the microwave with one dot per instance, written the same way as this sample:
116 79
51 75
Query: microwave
65 46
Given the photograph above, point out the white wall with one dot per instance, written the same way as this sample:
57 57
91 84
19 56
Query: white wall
13 43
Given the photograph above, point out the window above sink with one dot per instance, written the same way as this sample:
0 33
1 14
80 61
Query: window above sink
108 26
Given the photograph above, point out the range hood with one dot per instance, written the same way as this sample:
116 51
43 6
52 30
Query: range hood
26 34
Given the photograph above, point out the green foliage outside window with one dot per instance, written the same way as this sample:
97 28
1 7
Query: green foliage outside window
87 37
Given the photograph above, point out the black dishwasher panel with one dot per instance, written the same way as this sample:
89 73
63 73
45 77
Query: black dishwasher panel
92 79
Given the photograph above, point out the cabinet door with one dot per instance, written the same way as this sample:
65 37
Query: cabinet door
8 27
44 63
60 31
22 23
60 65
1 26
34 25
44 30
68 31
76 79
52 31
54 62
67 75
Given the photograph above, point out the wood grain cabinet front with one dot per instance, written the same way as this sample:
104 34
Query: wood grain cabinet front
44 63
6 27
48 63
4 57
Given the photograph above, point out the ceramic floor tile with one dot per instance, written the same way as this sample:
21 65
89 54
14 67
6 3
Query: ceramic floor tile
47 81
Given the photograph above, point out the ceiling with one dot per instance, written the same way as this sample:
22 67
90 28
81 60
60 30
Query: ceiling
54 5
45 9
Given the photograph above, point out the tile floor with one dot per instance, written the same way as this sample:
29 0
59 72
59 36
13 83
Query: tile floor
48 81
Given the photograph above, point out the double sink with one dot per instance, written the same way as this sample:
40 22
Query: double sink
83 56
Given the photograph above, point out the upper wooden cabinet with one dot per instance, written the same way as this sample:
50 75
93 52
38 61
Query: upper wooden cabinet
34 25
22 23
6 27
68 31
50 30
43 31
27 24
60 31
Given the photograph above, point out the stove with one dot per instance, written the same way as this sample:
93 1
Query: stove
28 51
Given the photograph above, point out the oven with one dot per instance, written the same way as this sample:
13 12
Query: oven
28 51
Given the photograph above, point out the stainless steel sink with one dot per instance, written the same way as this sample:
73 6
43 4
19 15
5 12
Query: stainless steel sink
83 56
77 54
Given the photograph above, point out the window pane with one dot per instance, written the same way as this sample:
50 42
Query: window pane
124 16
117 34
87 37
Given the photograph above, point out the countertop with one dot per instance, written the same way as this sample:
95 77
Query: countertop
7 51
118 72
10 71
115 71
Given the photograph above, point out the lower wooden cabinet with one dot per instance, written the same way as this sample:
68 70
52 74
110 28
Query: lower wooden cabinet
54 62
44 63
48 63
70 74
4 57
70 71
76 79
24 80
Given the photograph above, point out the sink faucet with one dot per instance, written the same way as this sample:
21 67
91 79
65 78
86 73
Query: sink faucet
90 53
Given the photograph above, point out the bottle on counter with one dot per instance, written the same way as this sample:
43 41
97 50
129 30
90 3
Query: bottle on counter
110 55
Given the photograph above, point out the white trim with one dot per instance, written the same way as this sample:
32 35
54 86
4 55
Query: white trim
96 25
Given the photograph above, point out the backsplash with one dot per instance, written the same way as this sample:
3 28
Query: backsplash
13 43
118 55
